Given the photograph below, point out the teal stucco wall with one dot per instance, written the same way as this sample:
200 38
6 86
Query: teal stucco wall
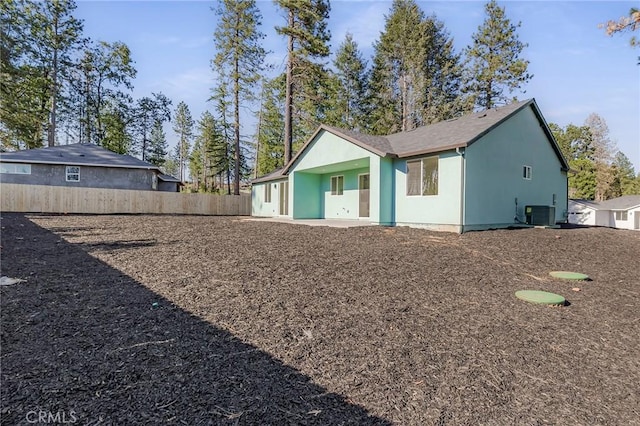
329 155
494 174
343 206
440 211
259 207
307 203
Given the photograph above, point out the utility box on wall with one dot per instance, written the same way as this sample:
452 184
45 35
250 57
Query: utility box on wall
540 215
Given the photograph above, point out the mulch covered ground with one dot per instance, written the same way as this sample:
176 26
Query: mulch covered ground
210 320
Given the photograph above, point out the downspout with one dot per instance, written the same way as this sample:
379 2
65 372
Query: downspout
462 193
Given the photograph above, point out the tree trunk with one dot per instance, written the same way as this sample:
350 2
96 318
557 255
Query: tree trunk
288 114
51 136
236 119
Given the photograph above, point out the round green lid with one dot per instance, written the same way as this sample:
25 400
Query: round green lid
566 275
542 297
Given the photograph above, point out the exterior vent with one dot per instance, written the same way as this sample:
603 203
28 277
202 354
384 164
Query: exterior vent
540 215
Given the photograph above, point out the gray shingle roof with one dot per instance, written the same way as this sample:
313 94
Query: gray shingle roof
621 203
274 175
378 144
589 203
80 154
455 133
450 134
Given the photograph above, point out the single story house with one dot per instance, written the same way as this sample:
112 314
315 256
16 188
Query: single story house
83 165
622 212
479 171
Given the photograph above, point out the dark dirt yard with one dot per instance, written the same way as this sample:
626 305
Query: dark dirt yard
211 320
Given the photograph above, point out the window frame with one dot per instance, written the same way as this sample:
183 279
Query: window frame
15 168
621 215
423 188
72 173
337 185
267 193
526 172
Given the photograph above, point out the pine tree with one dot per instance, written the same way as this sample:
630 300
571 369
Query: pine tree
212 151
351 71
624 175
148 112
307 39
106 70
577 148
398 77
117 135
183 127
495 68
270 153
238 62
158 147
196 169
416 76
443 76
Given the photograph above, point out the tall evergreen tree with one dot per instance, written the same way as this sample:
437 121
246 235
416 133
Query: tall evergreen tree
116 130
624 176
239 61
148 112
307 39
37 42
443 76
60 34
183 127
416 75
158 147
351 71
577 147
270 152
495 67
213 150
398 77
106 71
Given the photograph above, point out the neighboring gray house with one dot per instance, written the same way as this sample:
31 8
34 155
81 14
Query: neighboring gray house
622 212
83 165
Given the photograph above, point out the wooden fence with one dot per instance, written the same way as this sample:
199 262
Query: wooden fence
60 199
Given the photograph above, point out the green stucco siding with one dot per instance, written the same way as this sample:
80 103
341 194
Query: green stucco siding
441 211
306 196
329 155
343 206
259 207
494 173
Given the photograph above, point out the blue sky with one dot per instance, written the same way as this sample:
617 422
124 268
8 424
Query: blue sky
577 69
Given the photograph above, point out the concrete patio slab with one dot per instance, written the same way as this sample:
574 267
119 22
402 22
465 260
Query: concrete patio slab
333 223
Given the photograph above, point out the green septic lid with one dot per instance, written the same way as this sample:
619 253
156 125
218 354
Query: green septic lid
542 297
566 275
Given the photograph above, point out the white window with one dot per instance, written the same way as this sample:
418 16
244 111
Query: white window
15 169
526 172
422 176
622 216
337 185
267 193
73 174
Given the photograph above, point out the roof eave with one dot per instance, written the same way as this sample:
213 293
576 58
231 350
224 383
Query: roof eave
76 163
333 131
432 150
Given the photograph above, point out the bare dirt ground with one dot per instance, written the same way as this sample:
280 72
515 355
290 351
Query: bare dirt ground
210 320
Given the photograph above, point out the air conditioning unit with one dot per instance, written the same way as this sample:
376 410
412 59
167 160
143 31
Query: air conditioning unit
540 215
